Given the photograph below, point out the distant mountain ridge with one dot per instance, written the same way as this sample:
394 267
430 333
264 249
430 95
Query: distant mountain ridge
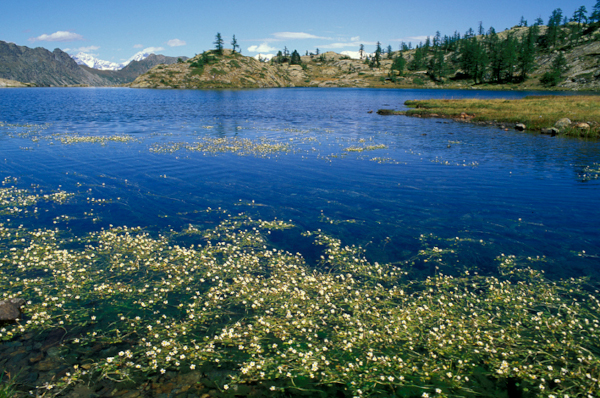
44 68
94 63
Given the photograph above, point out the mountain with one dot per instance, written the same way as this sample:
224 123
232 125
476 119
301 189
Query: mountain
139 56
40 67
95 63
133 69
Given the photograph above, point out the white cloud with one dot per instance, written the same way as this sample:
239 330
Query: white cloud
339 45
138 46
355 38
176 43
152 49
297 35
84 49
57 36
263 48
356 54
264 56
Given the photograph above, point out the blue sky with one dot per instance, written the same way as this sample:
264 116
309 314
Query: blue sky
116 30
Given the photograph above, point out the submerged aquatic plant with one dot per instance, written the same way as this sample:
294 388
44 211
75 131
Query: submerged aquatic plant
233 300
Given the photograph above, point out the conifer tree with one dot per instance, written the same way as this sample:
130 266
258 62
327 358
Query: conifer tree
389 52
595 17
523 22
552 33
398 65
234 44
218 43
554 76
526 52
295 58
378 55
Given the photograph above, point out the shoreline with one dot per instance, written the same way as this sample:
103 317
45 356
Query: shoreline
577 116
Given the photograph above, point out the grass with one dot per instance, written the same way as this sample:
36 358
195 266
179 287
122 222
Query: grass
536 112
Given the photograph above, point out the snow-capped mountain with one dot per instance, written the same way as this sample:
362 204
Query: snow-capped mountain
137 57
95 63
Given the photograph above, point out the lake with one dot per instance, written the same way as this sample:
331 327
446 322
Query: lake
430 198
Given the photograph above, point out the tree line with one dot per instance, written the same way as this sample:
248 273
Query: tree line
486 56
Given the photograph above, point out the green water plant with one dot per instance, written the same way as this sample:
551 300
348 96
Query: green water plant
228 298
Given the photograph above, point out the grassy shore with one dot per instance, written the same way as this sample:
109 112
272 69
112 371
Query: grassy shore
537 113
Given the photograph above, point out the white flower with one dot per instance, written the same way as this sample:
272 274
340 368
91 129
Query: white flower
192 366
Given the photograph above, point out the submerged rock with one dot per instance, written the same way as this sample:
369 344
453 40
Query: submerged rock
10 309
551 131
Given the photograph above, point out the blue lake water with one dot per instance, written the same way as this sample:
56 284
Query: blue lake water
200 299
521 193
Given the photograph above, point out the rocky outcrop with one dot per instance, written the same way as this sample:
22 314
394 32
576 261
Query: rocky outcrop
227 70
11 83
10 310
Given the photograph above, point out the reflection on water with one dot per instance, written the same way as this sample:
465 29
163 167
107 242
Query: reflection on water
418 195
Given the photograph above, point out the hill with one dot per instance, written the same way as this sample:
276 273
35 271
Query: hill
517 58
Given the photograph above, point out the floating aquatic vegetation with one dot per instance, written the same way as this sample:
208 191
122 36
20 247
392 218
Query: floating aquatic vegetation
233 300
591 172
382 160
261 147
14 200
69 139
365 148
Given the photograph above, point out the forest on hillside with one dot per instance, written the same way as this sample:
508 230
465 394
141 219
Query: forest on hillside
505 57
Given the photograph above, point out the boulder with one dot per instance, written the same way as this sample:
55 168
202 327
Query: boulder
520 127
563 123
582 126
10 309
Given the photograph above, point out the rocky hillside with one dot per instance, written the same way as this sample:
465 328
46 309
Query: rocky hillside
40 67
232 70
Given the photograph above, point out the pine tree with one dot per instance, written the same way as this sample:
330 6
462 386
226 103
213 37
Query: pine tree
554 76
234 43
552 34
437 68
389 52
361 50
526 52
398 65
378 55
295 58
473 59
595 17
218 43
523 22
